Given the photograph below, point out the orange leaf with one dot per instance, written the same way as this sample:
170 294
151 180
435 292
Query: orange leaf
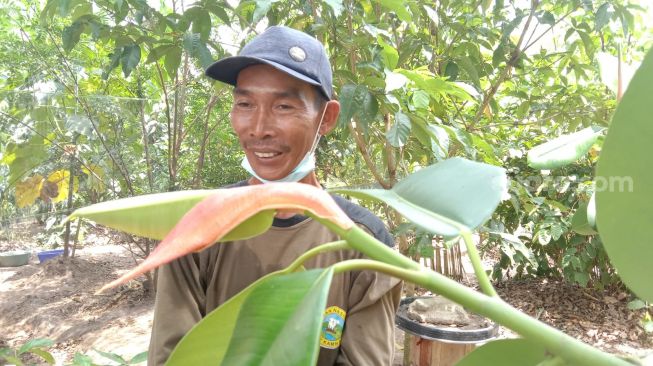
218 214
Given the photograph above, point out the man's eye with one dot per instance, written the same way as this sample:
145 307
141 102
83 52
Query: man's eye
243 104
285 106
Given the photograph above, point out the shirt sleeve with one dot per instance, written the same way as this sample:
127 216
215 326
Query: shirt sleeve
177 306
368 336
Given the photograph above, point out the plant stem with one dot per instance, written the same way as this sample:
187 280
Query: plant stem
332 246
472 252
558 343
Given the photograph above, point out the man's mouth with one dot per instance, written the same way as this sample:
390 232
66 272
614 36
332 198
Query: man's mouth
266 155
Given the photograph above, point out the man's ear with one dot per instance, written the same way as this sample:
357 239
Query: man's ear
330 116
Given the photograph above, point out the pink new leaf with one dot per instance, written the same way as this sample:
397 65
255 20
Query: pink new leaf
218 214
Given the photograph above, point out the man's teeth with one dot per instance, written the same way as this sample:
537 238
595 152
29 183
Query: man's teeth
265 155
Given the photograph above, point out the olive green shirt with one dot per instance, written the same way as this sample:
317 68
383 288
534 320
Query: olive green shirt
192 286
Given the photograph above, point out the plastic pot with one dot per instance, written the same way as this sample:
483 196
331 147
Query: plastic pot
14 258
49 254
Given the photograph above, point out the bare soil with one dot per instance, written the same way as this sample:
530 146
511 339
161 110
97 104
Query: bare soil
57 300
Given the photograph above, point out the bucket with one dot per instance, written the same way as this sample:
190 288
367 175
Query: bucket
435 345
14 258
49 254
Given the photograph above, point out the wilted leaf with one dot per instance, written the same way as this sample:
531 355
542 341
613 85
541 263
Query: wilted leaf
61 179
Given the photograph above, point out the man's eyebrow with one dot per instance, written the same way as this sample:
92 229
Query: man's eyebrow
288 93
241 91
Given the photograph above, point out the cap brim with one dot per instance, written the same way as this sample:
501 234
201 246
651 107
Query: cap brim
227 69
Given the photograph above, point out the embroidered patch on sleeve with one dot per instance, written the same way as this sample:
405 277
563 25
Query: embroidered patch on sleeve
332 325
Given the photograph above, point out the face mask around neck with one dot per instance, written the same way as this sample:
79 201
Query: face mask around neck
305 166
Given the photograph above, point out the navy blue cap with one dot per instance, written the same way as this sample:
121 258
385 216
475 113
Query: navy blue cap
286 49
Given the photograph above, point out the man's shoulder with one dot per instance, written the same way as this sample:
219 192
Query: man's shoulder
364 217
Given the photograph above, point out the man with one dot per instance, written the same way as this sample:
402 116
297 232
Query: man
282 105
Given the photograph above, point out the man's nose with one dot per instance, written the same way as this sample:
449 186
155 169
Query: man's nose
260 125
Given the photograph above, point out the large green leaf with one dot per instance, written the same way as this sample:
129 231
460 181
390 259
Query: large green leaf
274 321
444 198
563 150
624 185
507 352
154 215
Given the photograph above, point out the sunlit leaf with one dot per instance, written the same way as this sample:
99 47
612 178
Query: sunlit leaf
61 179
399 7
398 133
225 335
28 191
389 54
624 185
563 150
603 15
336 6
507 352
95 178
262 8
444 198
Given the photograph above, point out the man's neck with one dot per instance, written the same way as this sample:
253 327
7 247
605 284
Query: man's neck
310 179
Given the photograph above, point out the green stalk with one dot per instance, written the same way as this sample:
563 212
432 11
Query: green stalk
556 342
360 240
472 253
332 246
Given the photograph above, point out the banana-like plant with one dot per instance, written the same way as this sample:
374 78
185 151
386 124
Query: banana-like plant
451 199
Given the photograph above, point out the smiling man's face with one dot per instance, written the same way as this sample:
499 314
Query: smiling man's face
276 117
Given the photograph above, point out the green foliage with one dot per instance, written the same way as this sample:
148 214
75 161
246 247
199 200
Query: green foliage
39 346
35 346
